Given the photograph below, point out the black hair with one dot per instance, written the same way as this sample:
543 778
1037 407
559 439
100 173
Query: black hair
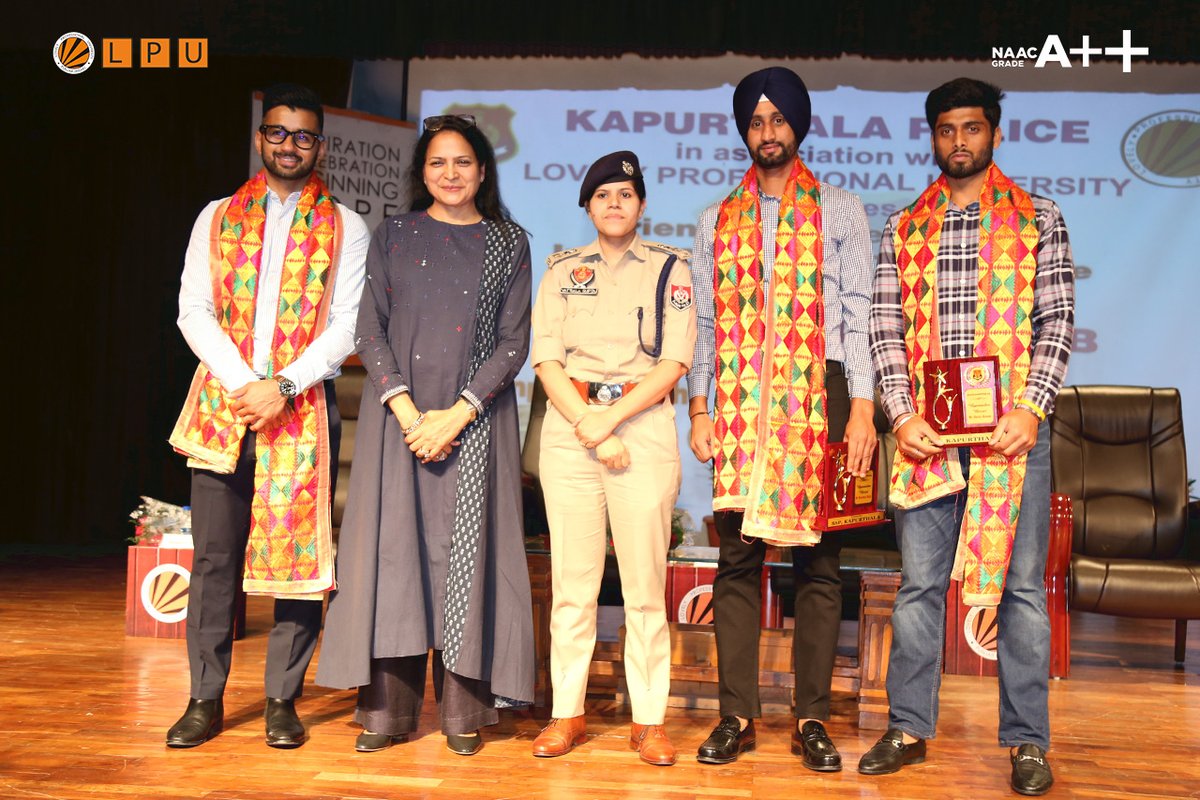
964 93
487 199
294 96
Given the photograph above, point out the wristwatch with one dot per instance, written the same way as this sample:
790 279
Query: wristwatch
287 388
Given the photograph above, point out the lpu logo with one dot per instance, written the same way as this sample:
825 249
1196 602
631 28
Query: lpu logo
74 53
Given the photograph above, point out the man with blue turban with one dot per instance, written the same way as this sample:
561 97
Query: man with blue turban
781 272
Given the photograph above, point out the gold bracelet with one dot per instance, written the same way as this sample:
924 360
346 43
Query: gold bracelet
903 422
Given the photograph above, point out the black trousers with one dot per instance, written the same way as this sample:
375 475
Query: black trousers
737 600
220 529
391 702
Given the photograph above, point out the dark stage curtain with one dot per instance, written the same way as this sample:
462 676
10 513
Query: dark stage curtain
107 171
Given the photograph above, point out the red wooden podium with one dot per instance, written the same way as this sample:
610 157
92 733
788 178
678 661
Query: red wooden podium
156 593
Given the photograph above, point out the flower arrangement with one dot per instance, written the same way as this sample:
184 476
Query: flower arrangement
153 518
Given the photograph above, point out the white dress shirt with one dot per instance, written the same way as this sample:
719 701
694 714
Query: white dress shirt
212 345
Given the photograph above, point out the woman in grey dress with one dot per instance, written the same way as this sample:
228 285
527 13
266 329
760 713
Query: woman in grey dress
431 552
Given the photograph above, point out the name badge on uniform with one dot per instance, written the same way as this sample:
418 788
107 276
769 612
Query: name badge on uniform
581 276
681 297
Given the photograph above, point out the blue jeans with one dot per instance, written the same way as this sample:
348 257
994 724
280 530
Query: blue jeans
928 536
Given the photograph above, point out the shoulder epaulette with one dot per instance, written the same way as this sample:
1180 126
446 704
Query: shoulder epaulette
681 253
554 258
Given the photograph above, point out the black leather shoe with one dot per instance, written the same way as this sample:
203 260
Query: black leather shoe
284 729
368 742
890 753
202 721
465 744
1030 771
813 744
726 742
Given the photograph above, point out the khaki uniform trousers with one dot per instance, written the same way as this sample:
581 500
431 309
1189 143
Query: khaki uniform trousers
639 500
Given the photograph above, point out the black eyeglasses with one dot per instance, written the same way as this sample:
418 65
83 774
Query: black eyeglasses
277 134
434 124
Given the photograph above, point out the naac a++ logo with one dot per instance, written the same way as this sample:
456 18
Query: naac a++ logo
1164 149
1053 50
74 53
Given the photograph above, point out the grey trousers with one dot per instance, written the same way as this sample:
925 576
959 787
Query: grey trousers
220 529
391 702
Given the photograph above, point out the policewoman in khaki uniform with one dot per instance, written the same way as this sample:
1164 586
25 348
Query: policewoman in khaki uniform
613 332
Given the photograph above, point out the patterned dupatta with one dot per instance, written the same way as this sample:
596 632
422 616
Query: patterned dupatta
1008 237
290 550
470 499
770 450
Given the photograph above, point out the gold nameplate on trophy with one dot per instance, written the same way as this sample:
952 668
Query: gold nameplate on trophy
847 501
962 398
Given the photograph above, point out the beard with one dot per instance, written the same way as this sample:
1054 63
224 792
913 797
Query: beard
302 169
964 169
787 151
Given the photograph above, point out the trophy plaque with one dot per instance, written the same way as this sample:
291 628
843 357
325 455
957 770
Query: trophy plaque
962 399
847 501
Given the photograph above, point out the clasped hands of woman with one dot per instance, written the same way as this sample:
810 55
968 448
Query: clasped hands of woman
431 435
594 430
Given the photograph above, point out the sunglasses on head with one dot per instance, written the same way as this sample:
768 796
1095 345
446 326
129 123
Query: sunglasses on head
435 124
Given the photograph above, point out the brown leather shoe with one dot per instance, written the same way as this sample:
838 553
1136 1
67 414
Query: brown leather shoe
652 744
560 737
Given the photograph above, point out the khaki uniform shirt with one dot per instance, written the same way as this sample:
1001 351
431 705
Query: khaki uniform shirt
586 313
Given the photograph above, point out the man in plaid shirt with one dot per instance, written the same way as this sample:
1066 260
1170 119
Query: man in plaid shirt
964 117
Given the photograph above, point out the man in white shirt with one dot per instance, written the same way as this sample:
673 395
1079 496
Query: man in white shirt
269 297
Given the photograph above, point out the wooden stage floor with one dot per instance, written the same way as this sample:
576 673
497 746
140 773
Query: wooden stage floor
83 713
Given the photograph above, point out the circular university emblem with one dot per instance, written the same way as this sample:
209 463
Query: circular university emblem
165 592
73 53
979 629
696 606
1164 149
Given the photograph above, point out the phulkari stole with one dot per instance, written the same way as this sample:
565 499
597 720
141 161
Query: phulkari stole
290 550
770 415
1008 238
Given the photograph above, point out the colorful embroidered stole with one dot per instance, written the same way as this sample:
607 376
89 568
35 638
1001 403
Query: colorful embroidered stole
1008 238
771 428
290 550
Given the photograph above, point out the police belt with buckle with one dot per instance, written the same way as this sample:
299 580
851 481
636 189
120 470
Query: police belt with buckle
602 393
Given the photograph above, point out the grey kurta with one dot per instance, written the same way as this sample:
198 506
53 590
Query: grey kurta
416 326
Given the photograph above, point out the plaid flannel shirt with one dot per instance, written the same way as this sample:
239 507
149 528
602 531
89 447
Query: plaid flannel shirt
957 295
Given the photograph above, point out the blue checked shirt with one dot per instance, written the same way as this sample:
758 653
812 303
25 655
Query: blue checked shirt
846 286
958 294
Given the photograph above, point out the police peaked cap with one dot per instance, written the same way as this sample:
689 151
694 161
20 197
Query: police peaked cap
619 166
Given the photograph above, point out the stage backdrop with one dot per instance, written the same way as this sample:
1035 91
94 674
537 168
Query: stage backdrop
1124 166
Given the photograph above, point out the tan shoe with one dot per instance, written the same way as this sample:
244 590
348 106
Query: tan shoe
560 737
652 744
